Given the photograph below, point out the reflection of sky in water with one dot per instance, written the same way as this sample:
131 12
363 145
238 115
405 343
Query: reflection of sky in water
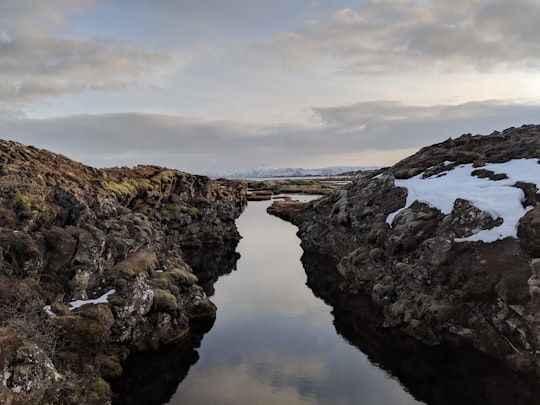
274 342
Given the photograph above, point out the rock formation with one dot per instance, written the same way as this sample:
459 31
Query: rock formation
93 265
422 266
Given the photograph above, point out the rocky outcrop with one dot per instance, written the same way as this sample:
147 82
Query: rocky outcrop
418 267
260 190
93 265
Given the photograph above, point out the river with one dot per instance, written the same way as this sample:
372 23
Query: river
286 334
273 341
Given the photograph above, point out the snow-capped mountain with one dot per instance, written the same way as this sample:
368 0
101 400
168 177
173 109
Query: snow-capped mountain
266 172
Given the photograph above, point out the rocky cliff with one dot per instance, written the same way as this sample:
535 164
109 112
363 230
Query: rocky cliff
441 247
94 264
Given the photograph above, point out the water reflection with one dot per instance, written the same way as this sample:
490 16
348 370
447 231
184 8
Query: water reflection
153 377
433 374
273 341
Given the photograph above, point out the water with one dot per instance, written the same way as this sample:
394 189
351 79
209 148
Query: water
273 341
286 334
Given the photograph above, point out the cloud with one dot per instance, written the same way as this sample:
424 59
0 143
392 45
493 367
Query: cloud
37 62
354 134
388 36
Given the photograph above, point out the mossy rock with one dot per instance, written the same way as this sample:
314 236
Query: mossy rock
512 288
143 262
375 254
182 275
128 187
110 367
407 173
164 281
9 344
83 334
164 301
174 211
165 176
360 255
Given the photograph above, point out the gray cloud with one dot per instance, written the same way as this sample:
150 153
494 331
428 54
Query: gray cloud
387 36
197 145
37 62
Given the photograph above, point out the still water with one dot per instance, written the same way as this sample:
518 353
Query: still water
273 341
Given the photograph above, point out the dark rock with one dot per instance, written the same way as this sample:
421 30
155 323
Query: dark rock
80 233
423 280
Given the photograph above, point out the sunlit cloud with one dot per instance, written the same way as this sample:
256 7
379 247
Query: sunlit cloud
407 36
203 145
37 61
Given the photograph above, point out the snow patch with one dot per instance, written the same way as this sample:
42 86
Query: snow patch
499 198
100 300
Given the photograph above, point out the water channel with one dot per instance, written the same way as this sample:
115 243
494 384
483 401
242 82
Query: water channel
273 341
285 334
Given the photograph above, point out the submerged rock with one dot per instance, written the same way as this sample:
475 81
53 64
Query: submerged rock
70 233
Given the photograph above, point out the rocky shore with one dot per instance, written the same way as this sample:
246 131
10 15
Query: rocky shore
260 190
95 264
443 268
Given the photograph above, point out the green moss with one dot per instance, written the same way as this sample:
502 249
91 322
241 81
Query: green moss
182 275
163 281
24 202
164 301
110 367
176 210
143 262
164 176
101 389
129 187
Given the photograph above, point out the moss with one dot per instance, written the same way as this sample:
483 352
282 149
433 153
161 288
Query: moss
143 262
407 173
110 367
164 301
100 390
24 202
163 281
375 254
164 176
360 255
170 280
9 344
182 275
116 300
176 210
129 187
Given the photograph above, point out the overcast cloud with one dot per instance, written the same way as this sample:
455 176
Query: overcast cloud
209 85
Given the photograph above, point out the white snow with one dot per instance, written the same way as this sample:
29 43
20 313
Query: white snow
79 303
48 310
498 198
99 300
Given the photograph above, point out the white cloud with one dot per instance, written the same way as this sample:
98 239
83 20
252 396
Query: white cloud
386 36
37 62
383 130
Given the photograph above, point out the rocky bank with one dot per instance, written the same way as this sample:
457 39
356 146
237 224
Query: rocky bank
419 271
94 265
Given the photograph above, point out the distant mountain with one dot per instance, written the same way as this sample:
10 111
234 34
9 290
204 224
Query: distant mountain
266 172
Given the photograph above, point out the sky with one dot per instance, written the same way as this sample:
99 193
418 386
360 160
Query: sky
210 85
